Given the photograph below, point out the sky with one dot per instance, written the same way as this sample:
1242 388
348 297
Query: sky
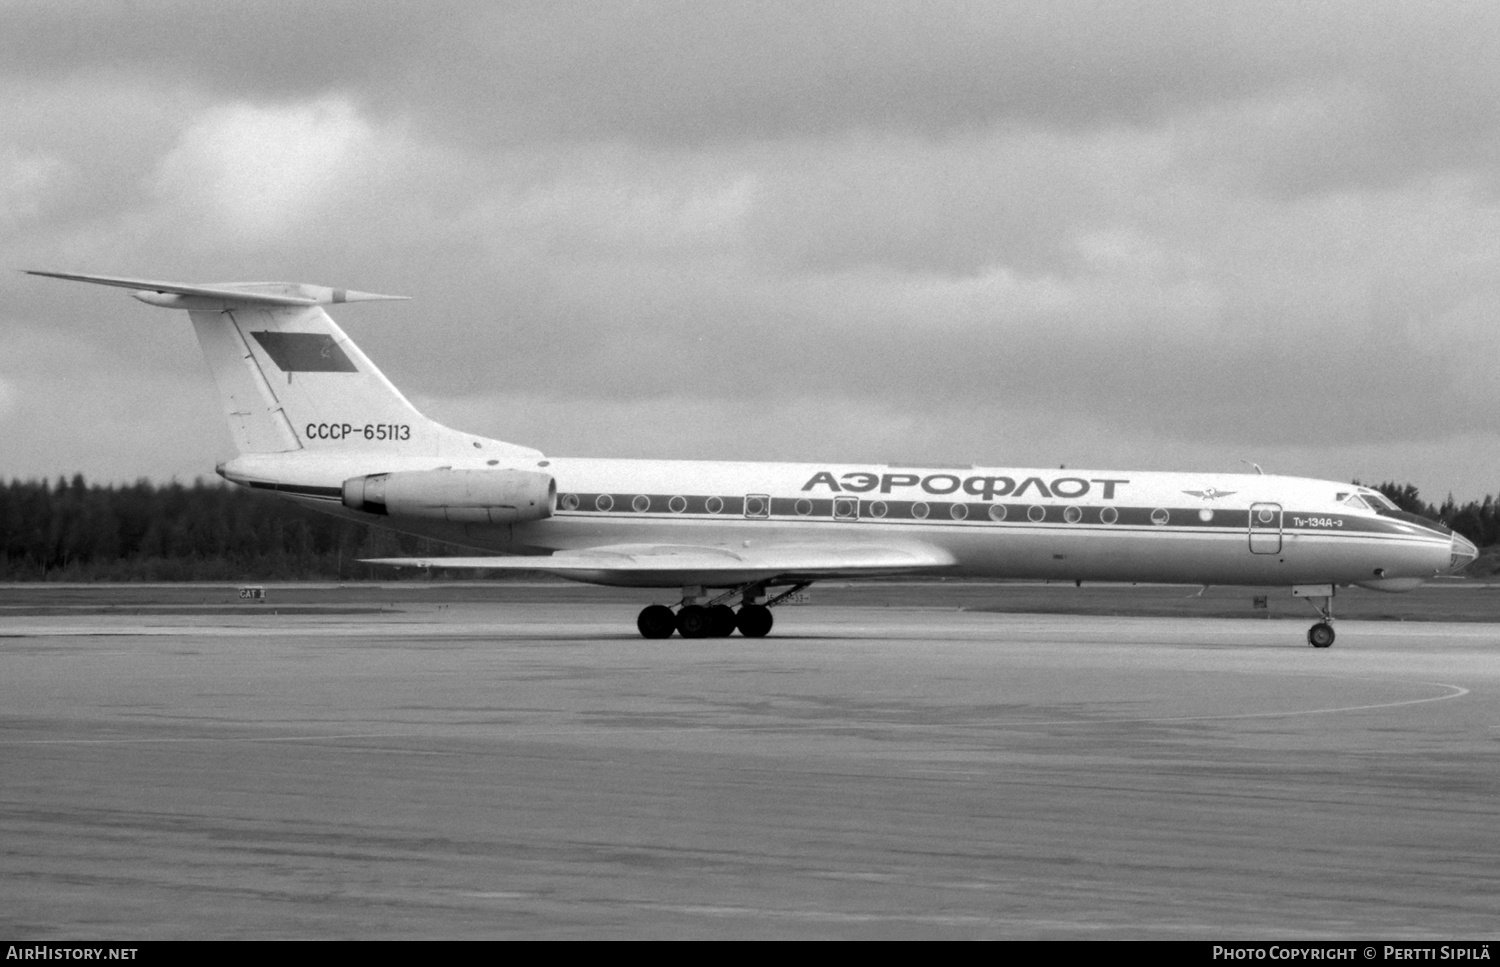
1148 236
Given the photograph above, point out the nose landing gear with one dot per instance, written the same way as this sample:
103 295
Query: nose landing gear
1320 596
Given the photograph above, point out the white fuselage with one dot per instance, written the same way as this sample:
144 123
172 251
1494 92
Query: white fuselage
1084 525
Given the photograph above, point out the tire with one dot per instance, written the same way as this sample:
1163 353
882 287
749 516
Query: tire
694 621
1320 635
754 620
656 621
721 621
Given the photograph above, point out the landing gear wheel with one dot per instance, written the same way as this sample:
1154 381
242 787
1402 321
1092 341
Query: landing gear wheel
1320 635
694 621
721 621
656 621
754 620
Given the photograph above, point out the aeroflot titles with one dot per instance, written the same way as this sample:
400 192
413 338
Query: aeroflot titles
987 488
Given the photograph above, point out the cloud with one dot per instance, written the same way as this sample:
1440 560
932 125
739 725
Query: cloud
260 172
9 397
681 73
759 230
27 183
621 211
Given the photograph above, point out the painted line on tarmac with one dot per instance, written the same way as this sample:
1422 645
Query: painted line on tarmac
1457 691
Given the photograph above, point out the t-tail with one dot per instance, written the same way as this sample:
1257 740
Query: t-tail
290 379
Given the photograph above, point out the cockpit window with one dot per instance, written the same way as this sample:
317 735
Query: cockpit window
1383 506
1355 501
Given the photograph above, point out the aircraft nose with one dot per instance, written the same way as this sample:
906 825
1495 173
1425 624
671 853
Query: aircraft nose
1461 553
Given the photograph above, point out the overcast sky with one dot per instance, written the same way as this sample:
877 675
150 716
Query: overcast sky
1120 235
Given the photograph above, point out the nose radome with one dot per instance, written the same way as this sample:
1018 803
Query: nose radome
1461 553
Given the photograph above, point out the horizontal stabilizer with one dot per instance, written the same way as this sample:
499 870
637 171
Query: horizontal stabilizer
224 295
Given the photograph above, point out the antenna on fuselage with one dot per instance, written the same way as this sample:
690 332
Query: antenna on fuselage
1255 465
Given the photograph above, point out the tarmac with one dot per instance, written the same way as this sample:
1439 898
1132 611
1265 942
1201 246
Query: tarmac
529 767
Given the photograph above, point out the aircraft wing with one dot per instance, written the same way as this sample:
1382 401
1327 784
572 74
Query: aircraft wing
682 565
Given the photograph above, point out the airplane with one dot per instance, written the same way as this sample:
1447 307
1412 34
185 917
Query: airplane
314 421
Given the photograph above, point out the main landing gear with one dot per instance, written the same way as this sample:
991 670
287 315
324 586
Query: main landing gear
713 618
1320 596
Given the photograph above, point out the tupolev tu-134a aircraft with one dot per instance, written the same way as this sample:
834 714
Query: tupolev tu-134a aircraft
315 421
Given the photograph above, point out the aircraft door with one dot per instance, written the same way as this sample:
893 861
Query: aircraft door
1265 528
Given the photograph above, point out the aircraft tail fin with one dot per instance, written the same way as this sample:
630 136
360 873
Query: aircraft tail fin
291 379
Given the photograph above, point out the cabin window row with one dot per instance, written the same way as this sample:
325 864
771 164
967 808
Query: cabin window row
850 508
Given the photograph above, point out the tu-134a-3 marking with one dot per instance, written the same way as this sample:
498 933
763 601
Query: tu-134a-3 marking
315 421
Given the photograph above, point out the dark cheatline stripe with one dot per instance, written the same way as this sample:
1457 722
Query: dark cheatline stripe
304 352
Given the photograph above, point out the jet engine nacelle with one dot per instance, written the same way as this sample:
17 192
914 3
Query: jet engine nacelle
462 496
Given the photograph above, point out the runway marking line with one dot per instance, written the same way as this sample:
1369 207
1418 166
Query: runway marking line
1458 691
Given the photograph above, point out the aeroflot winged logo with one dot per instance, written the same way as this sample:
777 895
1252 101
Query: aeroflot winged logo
304 352
1211 493
985 488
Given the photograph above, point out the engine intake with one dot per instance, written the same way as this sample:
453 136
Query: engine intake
462 496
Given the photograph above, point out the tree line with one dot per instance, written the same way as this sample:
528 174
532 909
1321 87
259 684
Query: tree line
70 530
